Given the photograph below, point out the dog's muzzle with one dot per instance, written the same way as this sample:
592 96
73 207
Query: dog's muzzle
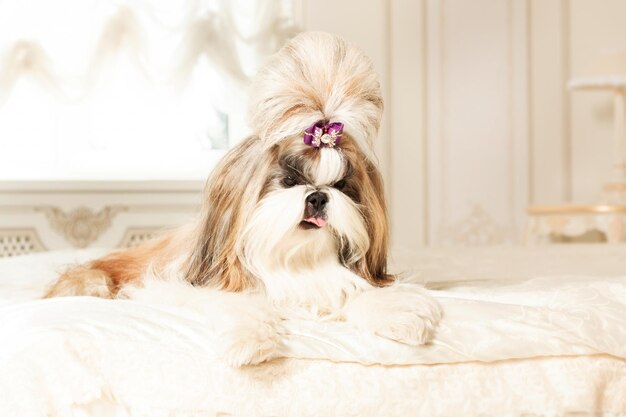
315 210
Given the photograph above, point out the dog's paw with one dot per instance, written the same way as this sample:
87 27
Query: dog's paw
401 312
249 344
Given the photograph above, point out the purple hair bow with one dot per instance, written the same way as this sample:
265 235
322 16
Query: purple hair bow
323 134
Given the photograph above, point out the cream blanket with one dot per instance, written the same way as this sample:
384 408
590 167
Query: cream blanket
508 345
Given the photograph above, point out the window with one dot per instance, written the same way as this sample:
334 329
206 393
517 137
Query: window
128 90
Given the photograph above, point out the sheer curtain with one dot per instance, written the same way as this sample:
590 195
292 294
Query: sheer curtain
128 89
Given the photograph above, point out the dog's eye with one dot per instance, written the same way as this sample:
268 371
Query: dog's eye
289 181
340 184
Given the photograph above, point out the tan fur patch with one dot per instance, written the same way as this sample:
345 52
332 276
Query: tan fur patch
82 281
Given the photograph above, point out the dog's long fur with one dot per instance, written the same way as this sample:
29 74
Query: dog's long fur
253 236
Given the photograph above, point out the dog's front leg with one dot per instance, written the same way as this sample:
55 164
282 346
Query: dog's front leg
400 312
245 326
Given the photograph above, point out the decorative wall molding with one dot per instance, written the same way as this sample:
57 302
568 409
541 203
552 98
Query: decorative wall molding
477 119
104 217
15 242
550 156
135 236
407 183
82 225
477 228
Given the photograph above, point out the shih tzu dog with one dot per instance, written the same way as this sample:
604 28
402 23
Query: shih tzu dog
294 222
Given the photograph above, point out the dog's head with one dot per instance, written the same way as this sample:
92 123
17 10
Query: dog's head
304 189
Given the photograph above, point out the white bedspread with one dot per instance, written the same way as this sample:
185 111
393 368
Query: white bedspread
512 341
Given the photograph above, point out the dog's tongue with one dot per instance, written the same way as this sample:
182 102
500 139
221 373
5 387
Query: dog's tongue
319 222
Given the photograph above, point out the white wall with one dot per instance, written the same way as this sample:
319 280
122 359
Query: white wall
479 122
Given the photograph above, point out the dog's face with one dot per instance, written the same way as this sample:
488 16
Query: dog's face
292 207
312 209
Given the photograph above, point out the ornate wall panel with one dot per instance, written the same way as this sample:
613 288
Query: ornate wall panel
481 120
35 217
14 242
477 120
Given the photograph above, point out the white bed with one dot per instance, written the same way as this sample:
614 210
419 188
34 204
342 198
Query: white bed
532 332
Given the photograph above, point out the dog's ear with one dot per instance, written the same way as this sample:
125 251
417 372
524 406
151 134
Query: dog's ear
373 266
231 194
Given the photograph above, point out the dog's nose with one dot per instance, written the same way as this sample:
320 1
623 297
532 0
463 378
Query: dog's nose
318 200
